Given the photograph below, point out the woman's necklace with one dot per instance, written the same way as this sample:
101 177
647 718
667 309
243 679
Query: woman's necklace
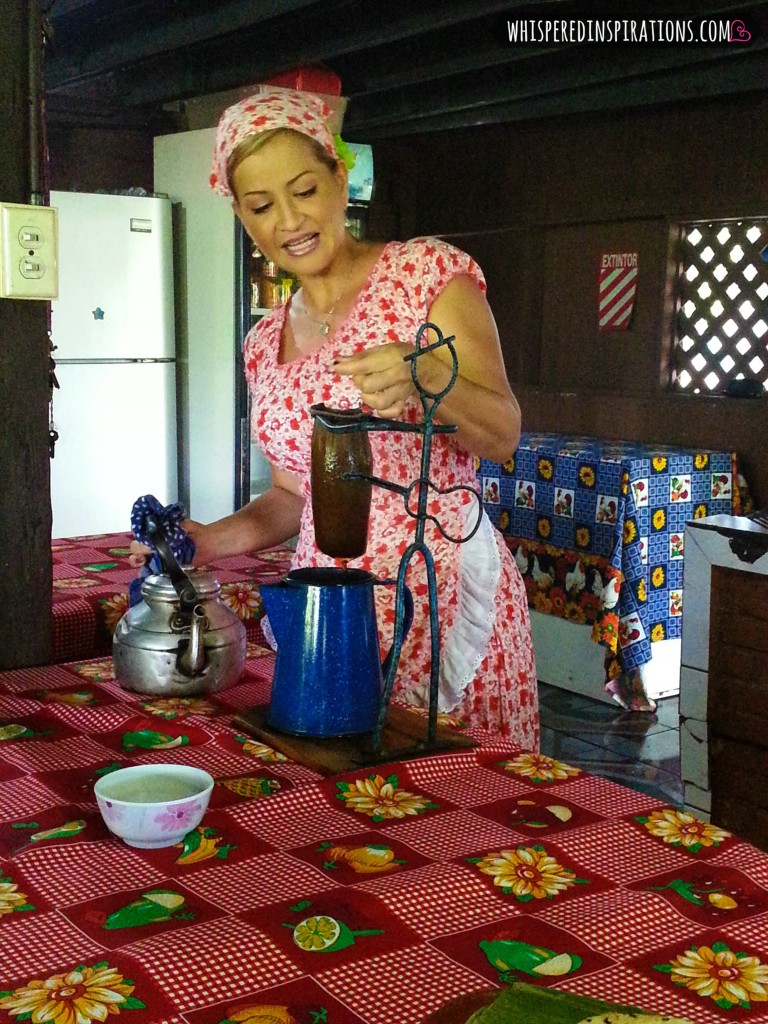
310 329
323 325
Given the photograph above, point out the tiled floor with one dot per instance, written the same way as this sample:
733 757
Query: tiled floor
638 750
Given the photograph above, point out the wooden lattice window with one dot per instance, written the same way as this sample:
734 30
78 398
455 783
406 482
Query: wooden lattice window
721 328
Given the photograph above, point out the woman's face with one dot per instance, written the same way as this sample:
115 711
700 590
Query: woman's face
292 204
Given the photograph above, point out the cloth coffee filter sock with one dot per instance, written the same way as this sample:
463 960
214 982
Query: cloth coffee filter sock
303 112
169 518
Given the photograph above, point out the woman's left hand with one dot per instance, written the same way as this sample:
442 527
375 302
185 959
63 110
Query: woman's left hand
140 554
382 376
481 404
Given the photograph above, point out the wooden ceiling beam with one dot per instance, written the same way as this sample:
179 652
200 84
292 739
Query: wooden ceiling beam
134 39
680 85
161 61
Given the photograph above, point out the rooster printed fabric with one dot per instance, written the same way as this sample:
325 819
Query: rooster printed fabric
370 897
487 669
627 503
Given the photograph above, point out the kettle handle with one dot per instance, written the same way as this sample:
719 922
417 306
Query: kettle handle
406 625
182 584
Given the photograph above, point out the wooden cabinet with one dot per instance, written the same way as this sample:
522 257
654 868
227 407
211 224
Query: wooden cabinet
737 703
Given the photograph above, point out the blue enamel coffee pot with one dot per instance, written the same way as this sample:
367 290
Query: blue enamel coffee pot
328 674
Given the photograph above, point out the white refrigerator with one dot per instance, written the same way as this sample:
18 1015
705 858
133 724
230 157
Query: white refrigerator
113 328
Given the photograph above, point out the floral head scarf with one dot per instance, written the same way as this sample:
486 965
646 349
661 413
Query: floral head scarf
263 111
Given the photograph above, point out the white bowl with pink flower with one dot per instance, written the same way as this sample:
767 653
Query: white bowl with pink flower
153 805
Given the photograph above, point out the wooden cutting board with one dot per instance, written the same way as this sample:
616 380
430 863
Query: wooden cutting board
404 736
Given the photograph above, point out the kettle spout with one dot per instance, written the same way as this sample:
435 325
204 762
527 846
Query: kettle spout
190 657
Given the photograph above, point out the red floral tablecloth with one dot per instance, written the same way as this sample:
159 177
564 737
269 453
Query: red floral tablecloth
91 576
377 895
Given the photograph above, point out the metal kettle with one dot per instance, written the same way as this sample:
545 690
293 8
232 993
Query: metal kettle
180 640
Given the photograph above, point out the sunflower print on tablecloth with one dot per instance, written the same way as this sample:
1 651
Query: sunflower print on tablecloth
243 599
11 900
527 873
539 768
681 828
83 995
715 972
381 798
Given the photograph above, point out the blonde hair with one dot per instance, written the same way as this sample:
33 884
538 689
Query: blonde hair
253 143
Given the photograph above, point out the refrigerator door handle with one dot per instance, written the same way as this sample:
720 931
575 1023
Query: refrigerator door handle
98 362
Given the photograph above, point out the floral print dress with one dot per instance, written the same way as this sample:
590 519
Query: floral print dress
487 674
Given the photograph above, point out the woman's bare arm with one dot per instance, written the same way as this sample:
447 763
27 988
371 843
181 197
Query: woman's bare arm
481 402
270 519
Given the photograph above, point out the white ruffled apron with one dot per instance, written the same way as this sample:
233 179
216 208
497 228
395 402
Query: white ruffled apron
466 643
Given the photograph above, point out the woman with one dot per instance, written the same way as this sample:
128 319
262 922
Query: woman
341 340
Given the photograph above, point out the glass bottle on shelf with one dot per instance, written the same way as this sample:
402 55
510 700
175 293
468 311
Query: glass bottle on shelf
287 285
270 285
255 278
270 274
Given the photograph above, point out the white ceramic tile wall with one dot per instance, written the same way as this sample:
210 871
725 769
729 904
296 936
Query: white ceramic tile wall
698 800
693 693
697 572
694 752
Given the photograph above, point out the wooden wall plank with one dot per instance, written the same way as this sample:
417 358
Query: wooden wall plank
25 506
573 184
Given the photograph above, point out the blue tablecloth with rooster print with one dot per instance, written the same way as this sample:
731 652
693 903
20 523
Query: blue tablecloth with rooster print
623 502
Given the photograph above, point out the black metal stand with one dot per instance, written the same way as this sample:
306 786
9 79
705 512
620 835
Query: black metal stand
429 403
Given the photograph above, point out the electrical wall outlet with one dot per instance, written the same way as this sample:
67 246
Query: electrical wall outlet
29 264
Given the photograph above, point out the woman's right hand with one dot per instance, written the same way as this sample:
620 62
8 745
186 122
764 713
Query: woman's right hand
270 519
141 553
